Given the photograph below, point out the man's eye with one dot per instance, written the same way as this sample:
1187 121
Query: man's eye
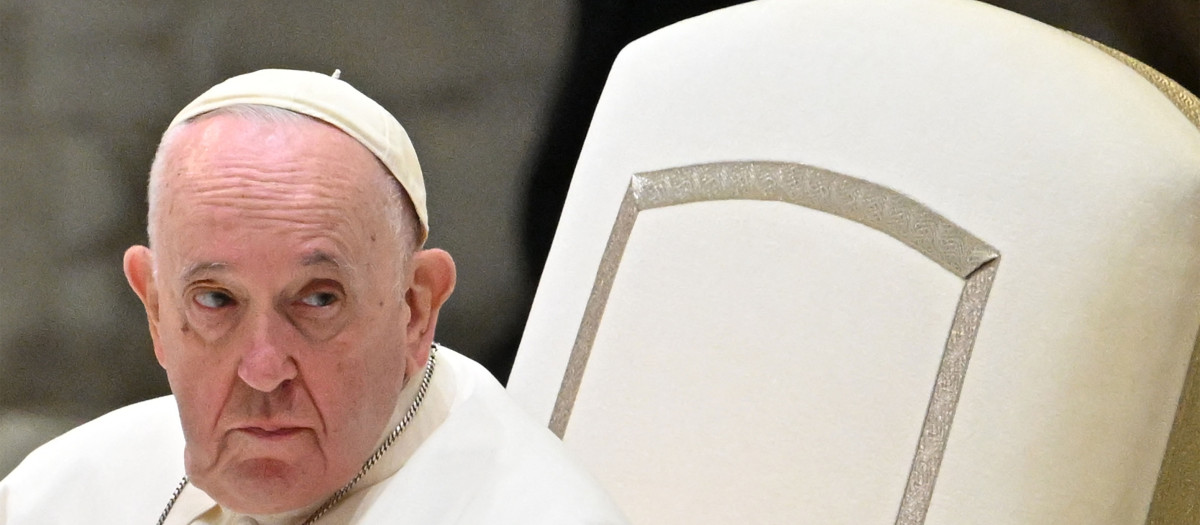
319 299
213 299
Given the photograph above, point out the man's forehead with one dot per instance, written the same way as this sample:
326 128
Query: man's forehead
264 140
228 165
230 185
330 100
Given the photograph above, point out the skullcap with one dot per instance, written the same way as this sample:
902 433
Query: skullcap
331 100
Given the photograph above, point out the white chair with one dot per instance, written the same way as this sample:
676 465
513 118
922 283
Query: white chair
878 261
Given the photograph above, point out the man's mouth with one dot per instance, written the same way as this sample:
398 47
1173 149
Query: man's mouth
272 433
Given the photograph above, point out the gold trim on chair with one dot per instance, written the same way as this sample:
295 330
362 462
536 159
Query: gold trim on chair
875 206
1187 103
942 404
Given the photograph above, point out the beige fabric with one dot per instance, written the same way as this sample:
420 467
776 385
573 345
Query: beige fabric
1177 492
759 362
334 101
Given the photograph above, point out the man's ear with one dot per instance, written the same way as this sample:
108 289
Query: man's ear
139 271
433 277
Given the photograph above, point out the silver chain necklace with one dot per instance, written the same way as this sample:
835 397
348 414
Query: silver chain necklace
387 443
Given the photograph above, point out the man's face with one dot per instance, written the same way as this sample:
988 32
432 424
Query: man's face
281 318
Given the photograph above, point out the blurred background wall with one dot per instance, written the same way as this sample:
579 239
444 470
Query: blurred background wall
495 95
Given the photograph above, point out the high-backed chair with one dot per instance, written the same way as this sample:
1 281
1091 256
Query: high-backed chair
878 261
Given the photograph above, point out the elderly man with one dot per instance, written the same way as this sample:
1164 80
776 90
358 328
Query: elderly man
293 308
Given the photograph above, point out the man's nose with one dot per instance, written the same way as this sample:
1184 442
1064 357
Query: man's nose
267 362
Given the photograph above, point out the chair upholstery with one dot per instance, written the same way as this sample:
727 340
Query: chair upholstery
877 261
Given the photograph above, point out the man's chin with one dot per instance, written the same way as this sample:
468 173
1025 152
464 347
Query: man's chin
262 486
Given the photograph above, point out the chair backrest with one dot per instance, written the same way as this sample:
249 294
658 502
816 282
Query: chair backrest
877 261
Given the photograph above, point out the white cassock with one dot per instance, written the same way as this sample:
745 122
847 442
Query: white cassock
469 456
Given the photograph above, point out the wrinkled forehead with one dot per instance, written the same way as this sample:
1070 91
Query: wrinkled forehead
232 183
269 139
329 100
238 158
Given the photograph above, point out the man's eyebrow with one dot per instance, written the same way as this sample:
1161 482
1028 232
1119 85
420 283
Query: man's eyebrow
202 267
322 258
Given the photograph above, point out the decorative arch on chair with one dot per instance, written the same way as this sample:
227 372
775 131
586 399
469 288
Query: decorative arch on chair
872 205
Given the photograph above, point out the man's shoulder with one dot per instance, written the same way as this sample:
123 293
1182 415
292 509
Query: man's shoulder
100 468
136 429
490 462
